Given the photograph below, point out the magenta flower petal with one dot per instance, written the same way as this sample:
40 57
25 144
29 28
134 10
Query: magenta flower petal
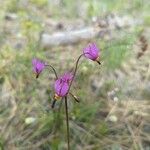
61 87
91 51
67 77
38 66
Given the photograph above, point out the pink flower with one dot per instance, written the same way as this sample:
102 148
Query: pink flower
91 52
38 66
61 85
67 77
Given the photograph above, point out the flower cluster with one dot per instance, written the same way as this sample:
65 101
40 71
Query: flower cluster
62 84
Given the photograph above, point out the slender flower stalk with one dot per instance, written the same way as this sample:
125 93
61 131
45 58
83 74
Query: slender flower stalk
75 70
61 87
56 76
54 70
66 105
90 52
67 123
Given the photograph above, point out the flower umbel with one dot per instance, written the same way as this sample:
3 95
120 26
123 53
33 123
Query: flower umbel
61 85
92 52
38 66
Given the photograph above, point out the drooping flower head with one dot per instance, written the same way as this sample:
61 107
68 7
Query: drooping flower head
92 52
38 66
61 85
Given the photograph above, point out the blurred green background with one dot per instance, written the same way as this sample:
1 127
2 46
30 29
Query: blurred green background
114 108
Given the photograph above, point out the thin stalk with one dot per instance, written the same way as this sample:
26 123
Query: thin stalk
67 123
76 67
75 70
66 106
56 76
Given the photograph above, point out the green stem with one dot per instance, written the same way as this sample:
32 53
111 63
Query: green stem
56 76
75 71
76 68
67 123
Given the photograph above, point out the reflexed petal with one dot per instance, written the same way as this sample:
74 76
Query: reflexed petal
94 50
34 62
38 66
91 51
57 85
64 89
61 87
67 76
62 84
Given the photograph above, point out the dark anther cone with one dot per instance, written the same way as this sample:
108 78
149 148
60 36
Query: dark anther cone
53 103
37 75
98 62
